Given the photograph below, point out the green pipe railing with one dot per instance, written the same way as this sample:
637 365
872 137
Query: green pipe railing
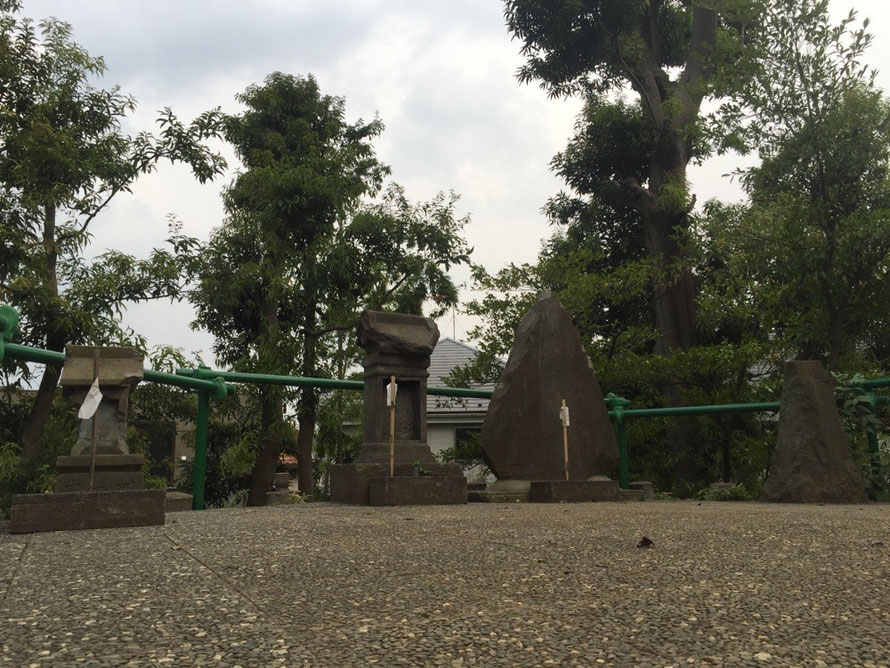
321 383
209 383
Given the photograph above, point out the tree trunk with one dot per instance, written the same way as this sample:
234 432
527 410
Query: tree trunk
270 446
35 423
837 321
308 409
675 296
271 420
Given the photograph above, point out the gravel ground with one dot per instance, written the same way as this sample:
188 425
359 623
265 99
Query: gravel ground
483 584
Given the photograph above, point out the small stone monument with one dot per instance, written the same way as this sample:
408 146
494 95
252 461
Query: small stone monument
813 459
101 487
397 345
523 437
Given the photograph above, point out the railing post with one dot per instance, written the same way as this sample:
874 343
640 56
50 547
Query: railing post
618 404
199 468
871 434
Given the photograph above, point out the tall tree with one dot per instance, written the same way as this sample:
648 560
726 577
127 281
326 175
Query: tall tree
63 158
815 240
305 168
672 55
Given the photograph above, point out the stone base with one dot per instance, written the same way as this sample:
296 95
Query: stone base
279 497
178 502
417 491
32 513
630 495
573 491
349 482
112 473
506 491
647 488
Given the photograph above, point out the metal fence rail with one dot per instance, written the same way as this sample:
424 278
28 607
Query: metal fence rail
212 384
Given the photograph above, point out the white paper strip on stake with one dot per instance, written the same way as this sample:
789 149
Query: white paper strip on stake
564 415
391 390
91 402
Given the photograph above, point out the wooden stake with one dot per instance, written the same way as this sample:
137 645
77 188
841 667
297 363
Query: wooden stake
392 426
94 419
565 437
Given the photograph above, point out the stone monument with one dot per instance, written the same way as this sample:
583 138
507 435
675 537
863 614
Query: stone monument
101 487
522 435
813 459
397 345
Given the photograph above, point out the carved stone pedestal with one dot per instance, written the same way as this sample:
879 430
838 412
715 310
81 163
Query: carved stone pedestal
396 345
114 495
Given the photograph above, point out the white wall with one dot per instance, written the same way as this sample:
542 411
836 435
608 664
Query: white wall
440 437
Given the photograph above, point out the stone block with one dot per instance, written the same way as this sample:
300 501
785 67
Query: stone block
647 488
178 502
630 495
813 458
32 513
417 491
522 435
113 473
573 491
279 497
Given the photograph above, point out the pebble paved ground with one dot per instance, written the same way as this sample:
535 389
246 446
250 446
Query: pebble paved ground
483 584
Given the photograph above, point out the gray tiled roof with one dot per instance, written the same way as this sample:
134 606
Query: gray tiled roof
447 355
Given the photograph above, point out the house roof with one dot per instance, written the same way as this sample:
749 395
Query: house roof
447 355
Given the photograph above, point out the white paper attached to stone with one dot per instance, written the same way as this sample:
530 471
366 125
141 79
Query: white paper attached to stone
91 402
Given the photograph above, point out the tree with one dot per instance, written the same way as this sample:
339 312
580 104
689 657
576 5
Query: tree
815 238
598 47
300 255
63 158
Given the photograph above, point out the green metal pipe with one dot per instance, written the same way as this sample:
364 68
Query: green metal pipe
875 383
701 410
199 467
29 354
40 356
623 460
322 383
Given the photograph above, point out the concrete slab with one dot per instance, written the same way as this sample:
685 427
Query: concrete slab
573 491
465 585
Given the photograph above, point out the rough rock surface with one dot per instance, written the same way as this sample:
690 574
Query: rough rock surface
522 435
813 460
396 333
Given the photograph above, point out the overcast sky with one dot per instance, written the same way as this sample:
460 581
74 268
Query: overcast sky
440 74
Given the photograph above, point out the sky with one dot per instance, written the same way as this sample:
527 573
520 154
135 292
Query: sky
439 73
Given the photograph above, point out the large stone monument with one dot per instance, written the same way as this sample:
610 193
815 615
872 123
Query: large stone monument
103 487
396 345
813 459
522 435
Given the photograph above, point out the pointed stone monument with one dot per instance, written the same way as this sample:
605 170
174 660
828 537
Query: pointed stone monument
813 459
522 436
397 345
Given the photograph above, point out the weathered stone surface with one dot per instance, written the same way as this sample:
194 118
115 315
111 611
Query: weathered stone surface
120 369
176 502
386 333
631 495
646 487
349 482
813 460
395 345
573 491
113 472
417 491
32 513
522 434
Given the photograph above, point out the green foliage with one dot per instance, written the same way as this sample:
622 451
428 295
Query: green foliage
734 493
